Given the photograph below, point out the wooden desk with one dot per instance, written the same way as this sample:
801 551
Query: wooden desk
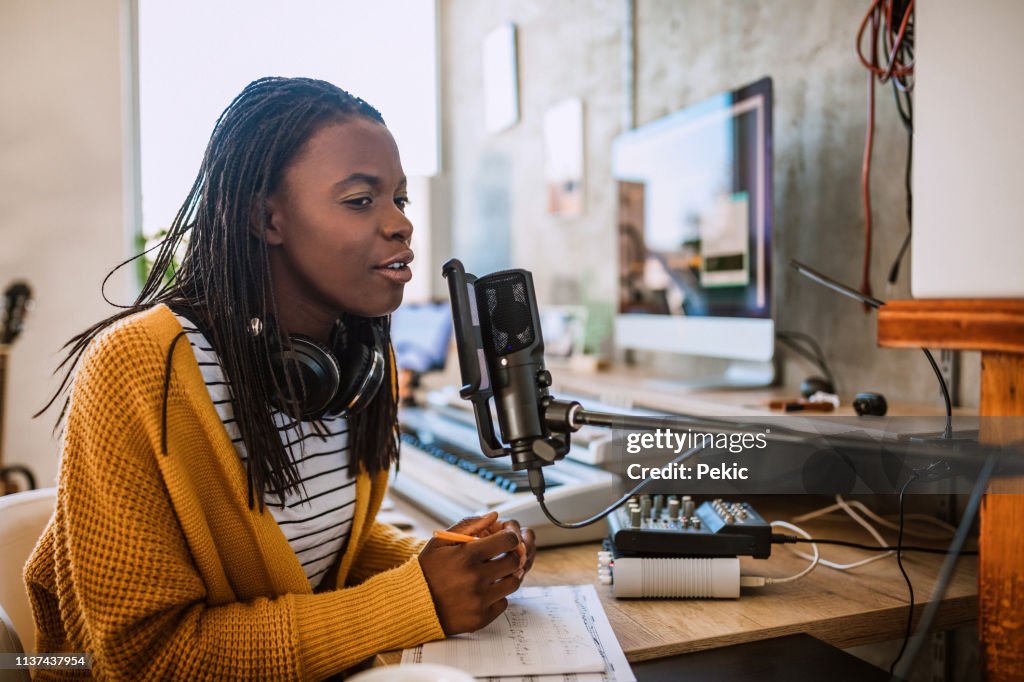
845 609
639 387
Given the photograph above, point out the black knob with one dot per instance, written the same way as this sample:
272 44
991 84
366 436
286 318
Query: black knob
545 449
544 378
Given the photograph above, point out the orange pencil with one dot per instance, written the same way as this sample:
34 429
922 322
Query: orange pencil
461 537
453 537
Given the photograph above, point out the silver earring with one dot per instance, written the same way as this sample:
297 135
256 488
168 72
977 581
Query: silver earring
255 326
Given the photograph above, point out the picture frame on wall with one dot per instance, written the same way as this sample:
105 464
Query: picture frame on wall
501 79
563 158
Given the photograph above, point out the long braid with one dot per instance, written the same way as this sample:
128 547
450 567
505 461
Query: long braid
224 274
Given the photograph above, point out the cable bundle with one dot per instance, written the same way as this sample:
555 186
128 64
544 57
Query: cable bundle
887 32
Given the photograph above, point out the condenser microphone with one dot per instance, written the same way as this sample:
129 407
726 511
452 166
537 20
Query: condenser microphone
501 352
514 348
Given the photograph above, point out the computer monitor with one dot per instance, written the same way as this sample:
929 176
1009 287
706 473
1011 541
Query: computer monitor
695 216
420 334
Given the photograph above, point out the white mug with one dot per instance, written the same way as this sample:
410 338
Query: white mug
417 672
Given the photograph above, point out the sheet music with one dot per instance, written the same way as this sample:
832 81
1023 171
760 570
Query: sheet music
547 634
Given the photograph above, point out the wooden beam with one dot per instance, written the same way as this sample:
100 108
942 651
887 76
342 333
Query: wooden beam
1001 543
996 328
961 324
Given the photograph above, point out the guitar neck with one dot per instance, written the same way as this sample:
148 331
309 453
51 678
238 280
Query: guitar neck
4 351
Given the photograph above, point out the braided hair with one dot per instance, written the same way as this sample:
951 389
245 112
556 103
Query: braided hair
224 274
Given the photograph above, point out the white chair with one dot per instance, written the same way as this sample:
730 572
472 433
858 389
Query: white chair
10 644
23 516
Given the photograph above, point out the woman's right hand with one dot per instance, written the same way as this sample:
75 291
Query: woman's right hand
470 581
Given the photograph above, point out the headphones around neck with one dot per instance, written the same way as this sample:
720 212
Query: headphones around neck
340 380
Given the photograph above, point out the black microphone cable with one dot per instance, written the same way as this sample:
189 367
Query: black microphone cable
536 478
910 586
948 433
902 669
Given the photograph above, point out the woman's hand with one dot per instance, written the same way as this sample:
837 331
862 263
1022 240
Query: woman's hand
470 581
527 547
529 544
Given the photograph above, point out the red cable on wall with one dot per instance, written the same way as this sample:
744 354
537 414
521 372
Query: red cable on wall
891 22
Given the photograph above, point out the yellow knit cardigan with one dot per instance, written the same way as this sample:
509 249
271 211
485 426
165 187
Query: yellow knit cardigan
155 564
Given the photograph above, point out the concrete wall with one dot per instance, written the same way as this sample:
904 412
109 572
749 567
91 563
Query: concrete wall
61 199
687 51
61 170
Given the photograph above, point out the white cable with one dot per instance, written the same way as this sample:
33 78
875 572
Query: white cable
924 518
841 504
842 567
847 507
758 581
816 513
864 524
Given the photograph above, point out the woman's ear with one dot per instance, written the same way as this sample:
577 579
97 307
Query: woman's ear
272 219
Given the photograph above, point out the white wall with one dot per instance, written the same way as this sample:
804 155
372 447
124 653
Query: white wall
968 139
61 200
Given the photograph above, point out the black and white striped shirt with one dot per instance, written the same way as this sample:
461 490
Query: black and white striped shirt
317 519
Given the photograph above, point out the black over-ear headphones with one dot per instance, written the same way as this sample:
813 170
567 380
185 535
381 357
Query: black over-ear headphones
337 381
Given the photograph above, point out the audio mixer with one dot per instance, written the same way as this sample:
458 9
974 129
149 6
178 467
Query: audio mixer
673 525
668 546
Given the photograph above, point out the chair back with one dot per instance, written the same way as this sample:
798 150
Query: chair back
23 516
10 644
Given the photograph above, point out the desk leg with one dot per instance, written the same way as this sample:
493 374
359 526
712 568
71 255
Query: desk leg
1001 560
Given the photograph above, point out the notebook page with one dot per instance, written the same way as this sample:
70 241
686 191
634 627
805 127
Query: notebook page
616 668
540 633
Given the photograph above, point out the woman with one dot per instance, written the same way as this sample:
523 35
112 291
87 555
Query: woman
215 517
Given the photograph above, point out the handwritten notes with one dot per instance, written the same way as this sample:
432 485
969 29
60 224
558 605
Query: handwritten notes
546 634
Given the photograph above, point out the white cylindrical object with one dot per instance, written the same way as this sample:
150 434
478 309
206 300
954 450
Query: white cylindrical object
677 577
413 672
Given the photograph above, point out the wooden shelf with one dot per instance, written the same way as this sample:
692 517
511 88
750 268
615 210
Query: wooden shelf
959 324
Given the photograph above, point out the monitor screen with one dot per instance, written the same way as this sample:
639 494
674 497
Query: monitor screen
695 214
420 334
695 209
